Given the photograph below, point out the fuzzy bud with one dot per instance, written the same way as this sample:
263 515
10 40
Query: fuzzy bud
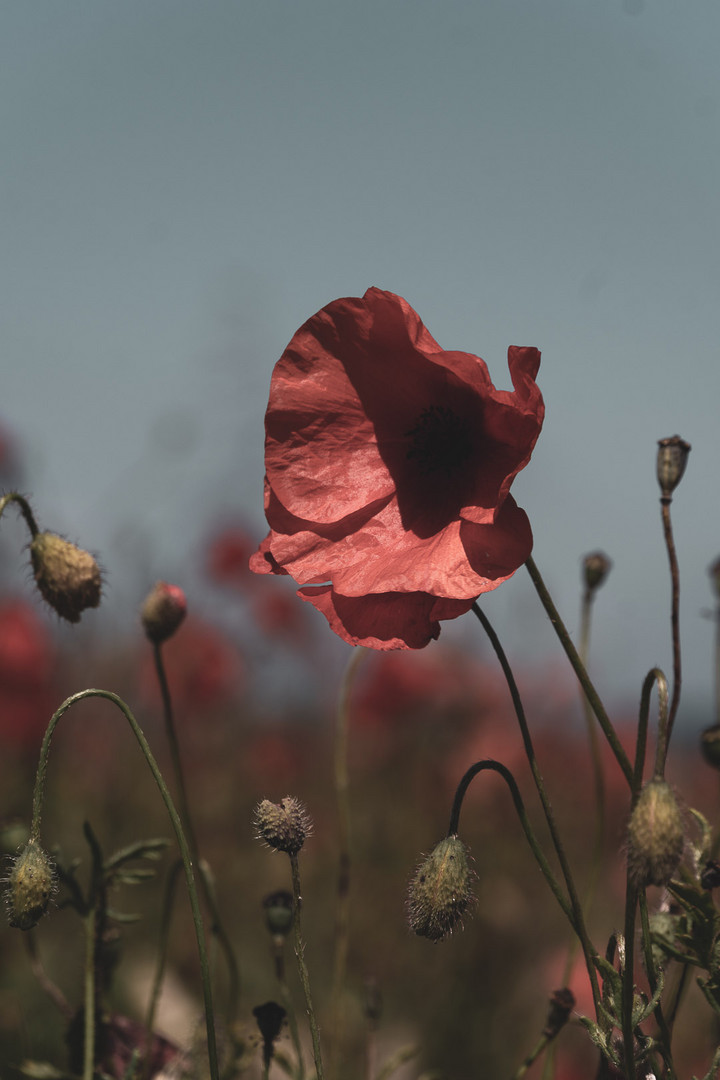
283 826
279 912
30 886
68 577
671 462
596 567
440 892
163 610
655 835
710 746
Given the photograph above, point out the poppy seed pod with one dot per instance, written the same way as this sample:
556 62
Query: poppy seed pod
68 577
655 835
596 567
30 886
278 908
440 892
163 610
671 462
284 826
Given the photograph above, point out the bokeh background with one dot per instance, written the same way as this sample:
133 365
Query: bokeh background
183 184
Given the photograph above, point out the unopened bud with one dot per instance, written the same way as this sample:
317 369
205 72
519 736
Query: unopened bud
30 886
284 825
655 835
596 567
671 461
164 608
440 892
562 1003
68 577
279 912
710 746
714 572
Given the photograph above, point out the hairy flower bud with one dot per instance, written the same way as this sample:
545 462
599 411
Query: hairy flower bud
710 746
283 826
68 577
596 567
30 886
440 892
655 835
279 912
164 608
671 461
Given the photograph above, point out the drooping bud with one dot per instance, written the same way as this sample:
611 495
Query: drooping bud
68 577
283 826
655 835
714 572
163 610
596 567
30 886
671 462
279 912
440 892
710 746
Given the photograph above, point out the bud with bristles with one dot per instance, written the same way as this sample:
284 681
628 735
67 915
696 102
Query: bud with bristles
672 459
596 567
440 892
68 577
164 608
655 835
284 825
30 886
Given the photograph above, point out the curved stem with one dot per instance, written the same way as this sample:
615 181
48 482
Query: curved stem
302 966
578 919
14 496
38 796
674 613
217 928
579 668
496 766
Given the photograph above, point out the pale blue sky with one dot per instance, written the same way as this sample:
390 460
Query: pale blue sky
184 183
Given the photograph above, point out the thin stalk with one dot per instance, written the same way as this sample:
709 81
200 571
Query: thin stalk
90 945
288 1004
163 942
302 966
217 928
38 797
579 668
578 920
628 979
659 1014
25 509
342 914
674 615
532 1056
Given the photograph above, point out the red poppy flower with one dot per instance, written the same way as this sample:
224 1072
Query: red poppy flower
388 468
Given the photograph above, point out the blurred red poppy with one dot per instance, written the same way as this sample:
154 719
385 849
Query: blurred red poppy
26 672
388 466
228 554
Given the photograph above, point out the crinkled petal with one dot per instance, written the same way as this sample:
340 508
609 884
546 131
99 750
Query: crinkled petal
385 620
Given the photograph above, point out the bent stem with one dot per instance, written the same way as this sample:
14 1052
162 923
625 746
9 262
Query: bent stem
25 509
217 928
578 921
665 501
342 916
38 797
579 668
302 966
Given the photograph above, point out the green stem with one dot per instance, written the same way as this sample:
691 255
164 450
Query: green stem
628 993
496 766
90 945
532 1056
579 668
302 966
217 928
38 796
164 940
652 981
342 917
578 921
674 613
14 497
288 1005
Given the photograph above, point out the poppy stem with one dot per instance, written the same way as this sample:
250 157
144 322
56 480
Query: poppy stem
665 501
14 496
572 654
302 966
578 920
216 928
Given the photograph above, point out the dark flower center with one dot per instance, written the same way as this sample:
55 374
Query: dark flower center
441 441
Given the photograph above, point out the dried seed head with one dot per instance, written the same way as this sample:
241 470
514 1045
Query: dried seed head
596 567
279 912
710 746
283 826
68 577
164 608
655 835
671 462
30 886
440 892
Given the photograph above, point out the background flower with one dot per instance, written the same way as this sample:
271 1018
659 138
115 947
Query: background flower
388 467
